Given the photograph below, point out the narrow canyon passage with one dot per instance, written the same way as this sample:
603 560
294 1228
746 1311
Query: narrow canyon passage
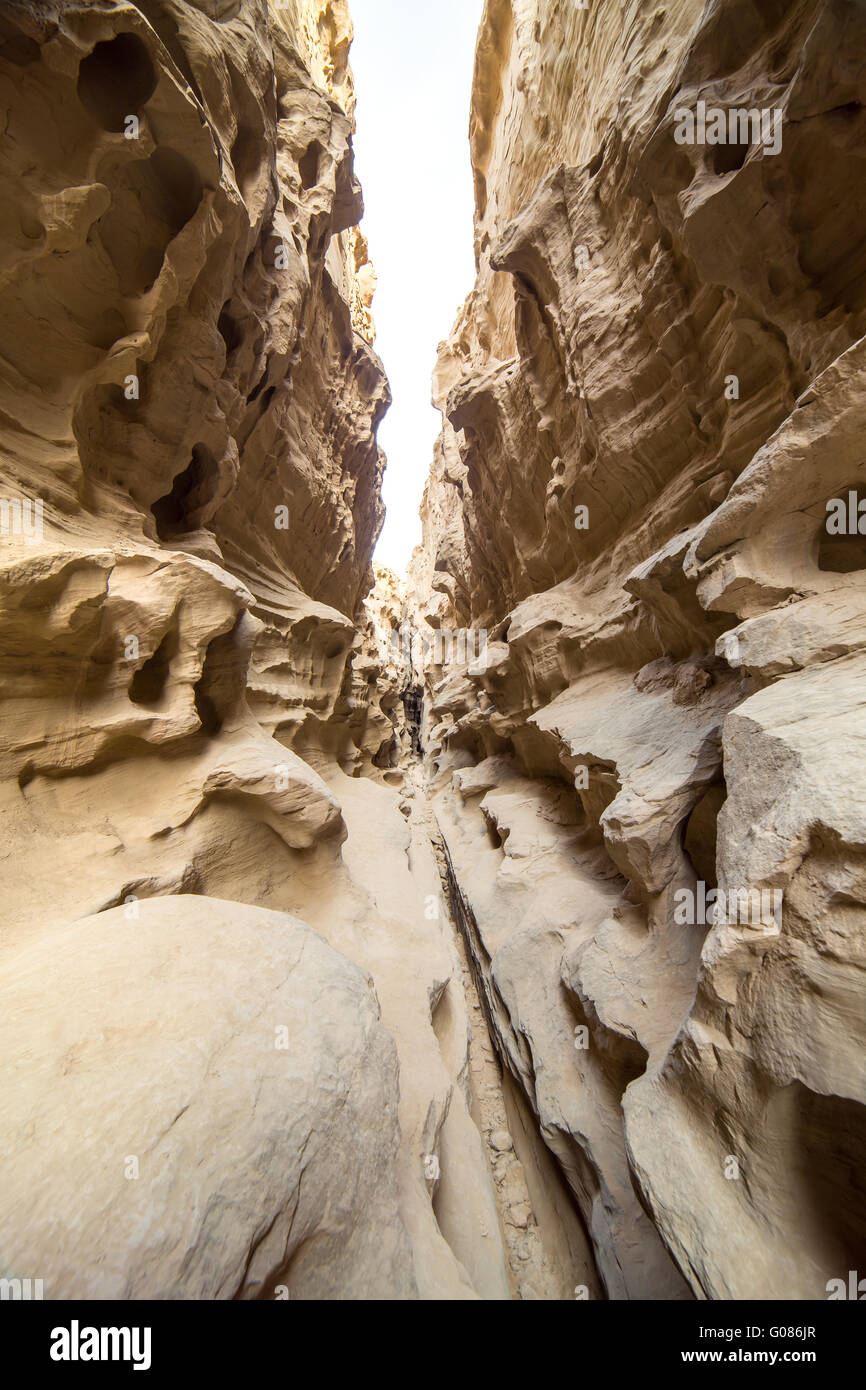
494 932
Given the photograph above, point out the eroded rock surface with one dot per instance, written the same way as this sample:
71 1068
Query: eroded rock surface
189 400
651 394
345 941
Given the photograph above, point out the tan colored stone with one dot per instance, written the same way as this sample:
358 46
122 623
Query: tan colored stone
649 397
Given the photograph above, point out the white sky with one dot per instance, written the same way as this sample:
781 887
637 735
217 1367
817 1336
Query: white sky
413 61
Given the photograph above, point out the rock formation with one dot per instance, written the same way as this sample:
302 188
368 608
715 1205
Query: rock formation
648 399
208 1094
356 937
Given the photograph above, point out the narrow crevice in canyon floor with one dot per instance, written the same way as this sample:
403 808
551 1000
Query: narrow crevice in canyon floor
549 1254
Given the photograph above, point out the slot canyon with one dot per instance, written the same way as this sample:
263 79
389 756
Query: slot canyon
370 937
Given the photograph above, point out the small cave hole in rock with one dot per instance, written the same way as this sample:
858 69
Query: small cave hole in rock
308 165
842 538
205 690
493 836
177 188
26 776
320 235
154 200
388 755
31 227
701 833
182 509
222 682
727 158
229 330
149 682
259 389
115 80
246 157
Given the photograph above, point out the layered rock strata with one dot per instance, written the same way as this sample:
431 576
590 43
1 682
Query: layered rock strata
651 395
235 1038
356 938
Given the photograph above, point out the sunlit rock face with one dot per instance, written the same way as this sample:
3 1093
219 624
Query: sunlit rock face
221 947
189 403
651 395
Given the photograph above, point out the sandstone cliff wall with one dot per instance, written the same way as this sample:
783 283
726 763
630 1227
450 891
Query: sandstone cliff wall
211 934
336 961
648 399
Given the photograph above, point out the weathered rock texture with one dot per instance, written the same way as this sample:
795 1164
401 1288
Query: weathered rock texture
673 690
234 1031
333 964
